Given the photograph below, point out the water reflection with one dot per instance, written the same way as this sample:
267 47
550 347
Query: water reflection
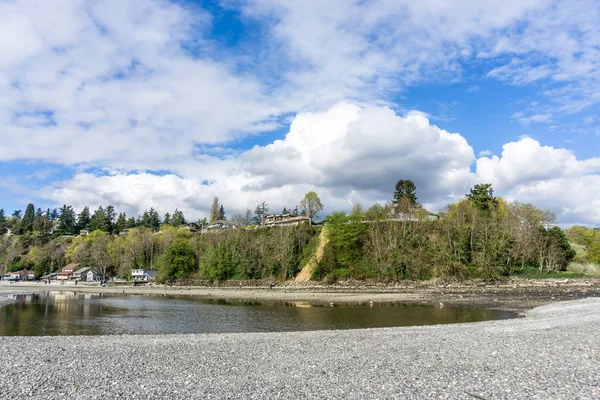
72 313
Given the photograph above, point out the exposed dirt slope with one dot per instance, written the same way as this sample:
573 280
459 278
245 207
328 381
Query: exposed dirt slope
306 272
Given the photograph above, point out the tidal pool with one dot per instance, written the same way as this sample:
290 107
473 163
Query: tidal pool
71 313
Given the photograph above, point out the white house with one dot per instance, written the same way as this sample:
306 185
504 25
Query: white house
91 276
143 274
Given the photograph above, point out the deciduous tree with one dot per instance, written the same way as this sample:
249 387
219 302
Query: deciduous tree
311 205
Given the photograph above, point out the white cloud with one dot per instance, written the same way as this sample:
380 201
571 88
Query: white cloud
90 81
548 177
347 154
351 154
526 120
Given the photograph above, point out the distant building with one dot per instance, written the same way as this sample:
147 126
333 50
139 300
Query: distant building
92 276
50 277
23 275
81 273
283 220
84 232
27 275
193 227
67 272
143 274
219 226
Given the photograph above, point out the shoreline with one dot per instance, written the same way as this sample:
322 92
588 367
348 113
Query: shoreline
516 295
554 352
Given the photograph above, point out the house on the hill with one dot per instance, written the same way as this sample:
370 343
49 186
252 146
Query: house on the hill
283 220
219 226
193 227
67 272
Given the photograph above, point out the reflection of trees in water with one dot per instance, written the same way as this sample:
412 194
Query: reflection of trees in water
68 313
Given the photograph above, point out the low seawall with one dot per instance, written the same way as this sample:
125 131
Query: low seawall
551 353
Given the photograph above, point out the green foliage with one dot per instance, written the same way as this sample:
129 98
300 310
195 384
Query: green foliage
178 219
346 235
66 221
178 261
482 197
311 205
28 220
3 223
405 189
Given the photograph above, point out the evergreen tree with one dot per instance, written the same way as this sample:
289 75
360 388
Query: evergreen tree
151 219
55 214
99 221
248 217
37 220
28 219
131 223
66 220
121 223
222 213
260 210
178 218
110 219
482 197
167 219
3 222
405 189
285 211
84 219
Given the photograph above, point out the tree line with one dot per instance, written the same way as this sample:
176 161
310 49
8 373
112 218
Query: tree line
480 236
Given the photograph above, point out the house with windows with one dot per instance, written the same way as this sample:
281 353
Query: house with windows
23 275
67 272
143 274
81 273
219 226
283 220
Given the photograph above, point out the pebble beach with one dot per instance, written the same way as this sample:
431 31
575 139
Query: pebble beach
551 353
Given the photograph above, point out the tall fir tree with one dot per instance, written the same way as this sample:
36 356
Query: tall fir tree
405 189
27 220
482 197
222 213
99 221
110 219
121 223
178 218
3 222
66 220
260 210
84 219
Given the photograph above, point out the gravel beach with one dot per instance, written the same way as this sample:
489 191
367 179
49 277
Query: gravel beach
552 353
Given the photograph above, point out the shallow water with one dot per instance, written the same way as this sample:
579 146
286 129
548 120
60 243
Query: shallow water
70 313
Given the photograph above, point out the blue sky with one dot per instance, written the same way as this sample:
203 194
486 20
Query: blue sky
169 103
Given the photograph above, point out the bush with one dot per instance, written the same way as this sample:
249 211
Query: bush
583 268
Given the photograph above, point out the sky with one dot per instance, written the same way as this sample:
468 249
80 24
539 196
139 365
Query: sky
168 103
